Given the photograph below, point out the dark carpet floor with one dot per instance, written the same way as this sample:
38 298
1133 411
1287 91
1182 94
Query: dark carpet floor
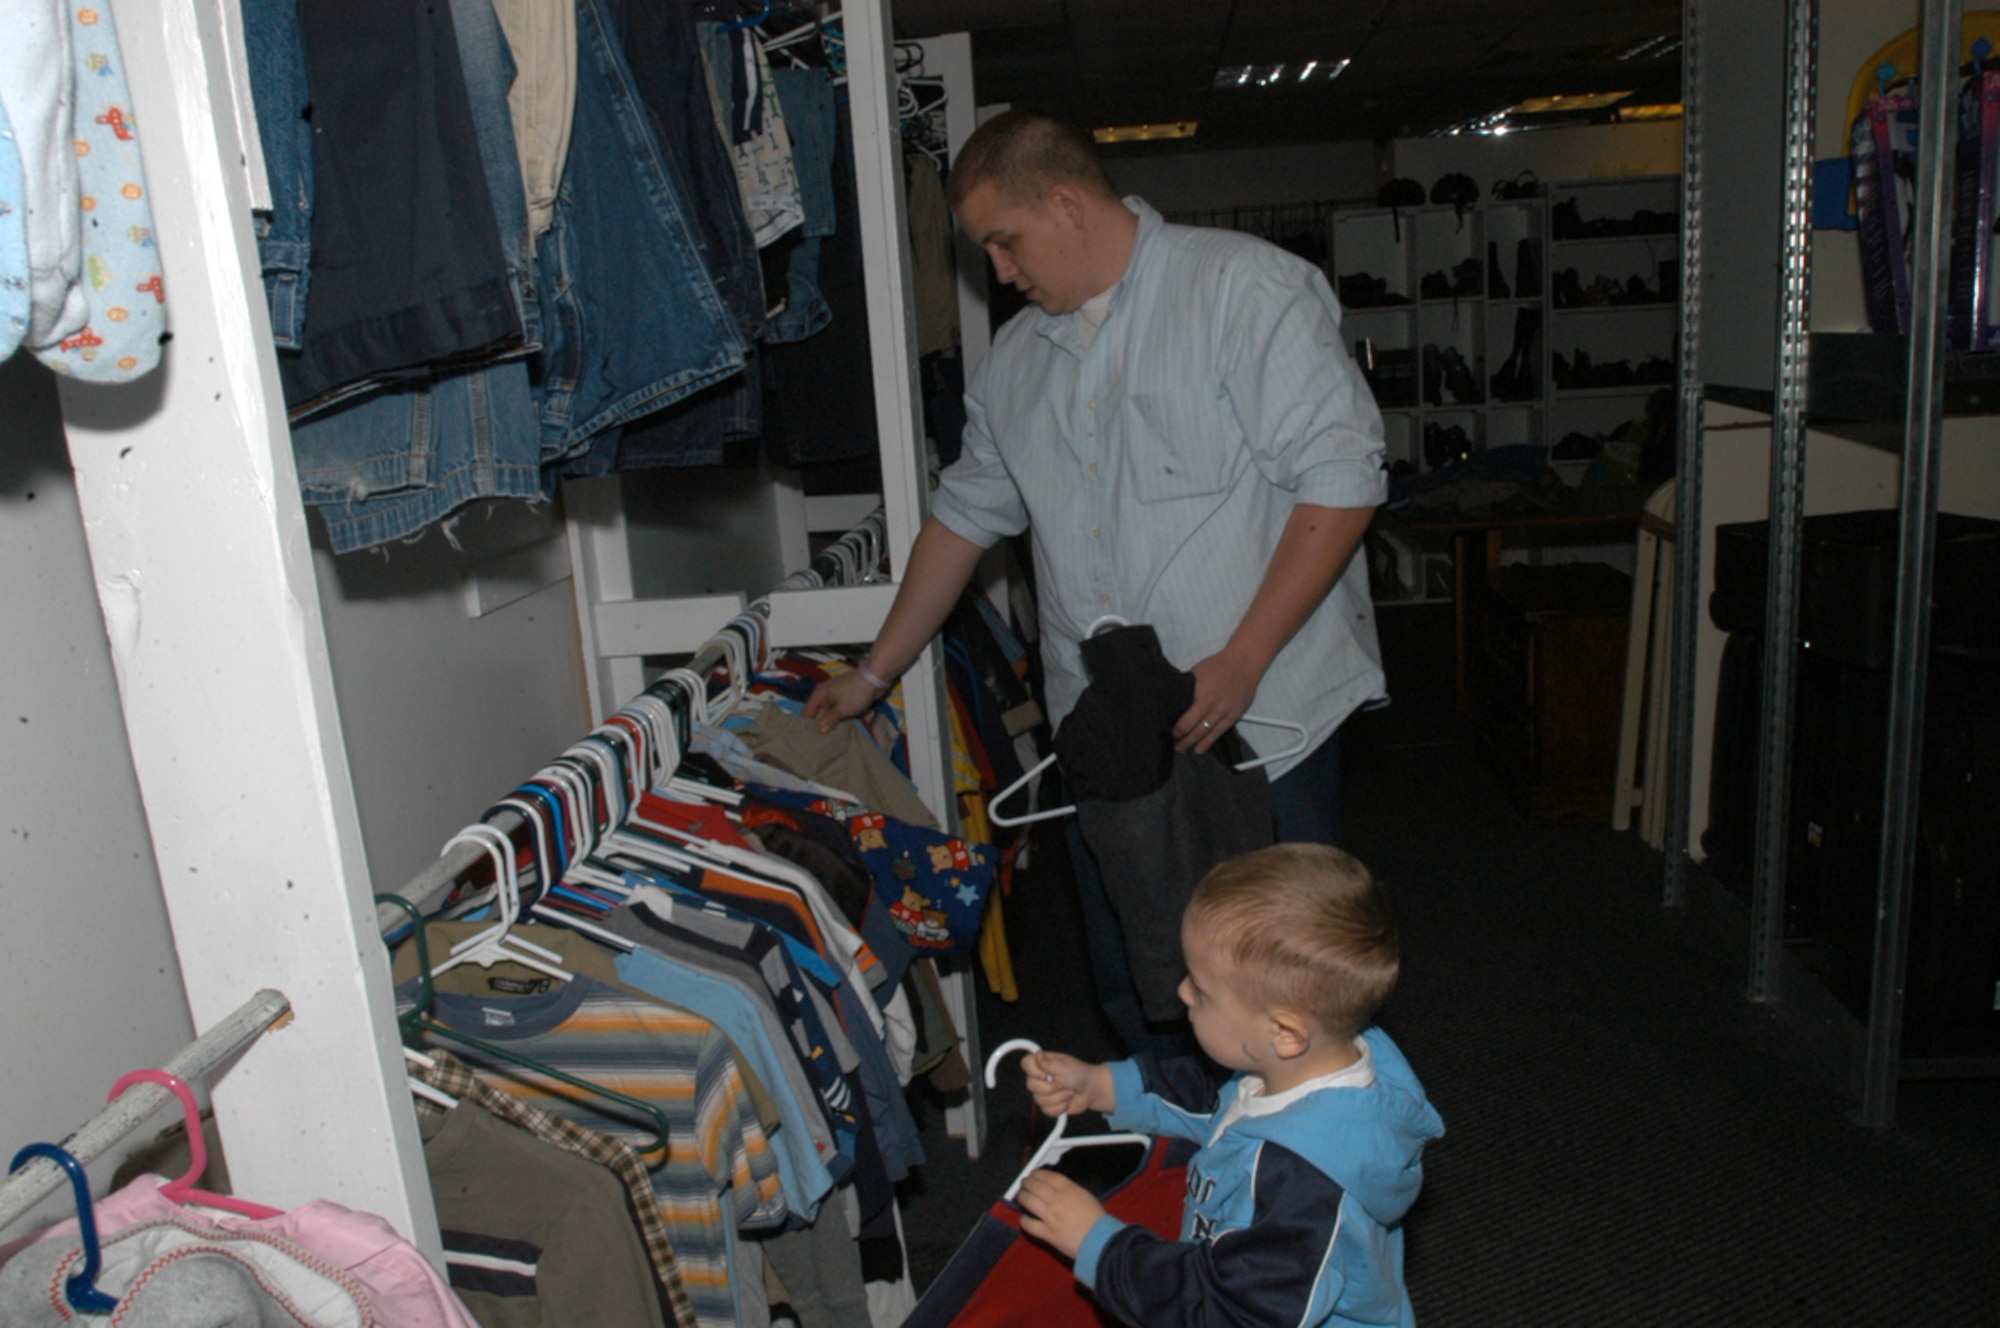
1628 1140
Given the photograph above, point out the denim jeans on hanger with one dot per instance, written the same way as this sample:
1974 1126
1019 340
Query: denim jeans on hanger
632 320
407 265
388 464
490 71
666 64
384 467
807 98
662 52
276 59
819 403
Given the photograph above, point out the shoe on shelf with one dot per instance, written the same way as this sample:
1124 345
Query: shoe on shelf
1566 220
1435 286
1459 380
1528 269
1496 285
1566 289
1467 278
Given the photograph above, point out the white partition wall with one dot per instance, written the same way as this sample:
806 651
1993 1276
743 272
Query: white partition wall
199 551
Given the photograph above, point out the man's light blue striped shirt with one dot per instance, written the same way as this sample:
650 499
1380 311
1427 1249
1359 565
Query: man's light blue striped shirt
1157 462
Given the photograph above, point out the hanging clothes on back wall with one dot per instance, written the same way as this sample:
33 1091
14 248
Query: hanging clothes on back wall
553 239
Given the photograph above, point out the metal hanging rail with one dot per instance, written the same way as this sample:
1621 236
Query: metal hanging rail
1687 475
1923 438
235 1031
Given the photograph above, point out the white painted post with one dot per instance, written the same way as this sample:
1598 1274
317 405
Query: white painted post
198 544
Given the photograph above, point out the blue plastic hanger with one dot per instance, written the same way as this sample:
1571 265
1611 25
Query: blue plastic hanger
81 1287
748 22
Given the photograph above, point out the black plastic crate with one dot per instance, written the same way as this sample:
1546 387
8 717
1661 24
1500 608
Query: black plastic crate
1847 584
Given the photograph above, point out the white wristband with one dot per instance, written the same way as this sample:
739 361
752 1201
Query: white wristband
861 667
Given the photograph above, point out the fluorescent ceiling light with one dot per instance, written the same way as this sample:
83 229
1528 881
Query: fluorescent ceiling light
1665 110
1319 69
1580 101
1142 133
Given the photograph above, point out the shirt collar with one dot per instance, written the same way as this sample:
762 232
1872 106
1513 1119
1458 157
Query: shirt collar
1063 329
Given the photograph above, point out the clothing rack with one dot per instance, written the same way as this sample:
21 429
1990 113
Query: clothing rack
829 568
235 1031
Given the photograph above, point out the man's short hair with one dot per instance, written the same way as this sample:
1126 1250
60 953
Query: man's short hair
1024 154
1304 927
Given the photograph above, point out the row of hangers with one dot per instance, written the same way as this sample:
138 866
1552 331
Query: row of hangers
577 808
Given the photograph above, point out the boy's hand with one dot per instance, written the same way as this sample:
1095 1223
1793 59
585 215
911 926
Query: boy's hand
1061 1083
1059 1212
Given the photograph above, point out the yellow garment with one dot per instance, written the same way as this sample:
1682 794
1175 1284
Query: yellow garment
993 956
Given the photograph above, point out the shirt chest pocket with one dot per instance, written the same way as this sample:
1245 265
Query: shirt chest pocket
1180 442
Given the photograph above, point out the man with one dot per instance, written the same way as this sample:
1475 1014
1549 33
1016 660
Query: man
1178 425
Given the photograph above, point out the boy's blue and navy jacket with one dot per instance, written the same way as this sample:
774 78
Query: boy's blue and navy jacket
1292 1218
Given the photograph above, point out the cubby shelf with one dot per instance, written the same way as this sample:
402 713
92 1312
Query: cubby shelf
1377 249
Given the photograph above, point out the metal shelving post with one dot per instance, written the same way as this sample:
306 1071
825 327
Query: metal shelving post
1687 475
1923 438
1788 470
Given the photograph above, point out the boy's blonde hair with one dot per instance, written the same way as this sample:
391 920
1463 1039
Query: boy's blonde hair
1303 927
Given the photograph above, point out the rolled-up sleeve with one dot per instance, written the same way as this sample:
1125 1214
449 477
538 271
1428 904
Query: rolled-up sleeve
1307 415
977 499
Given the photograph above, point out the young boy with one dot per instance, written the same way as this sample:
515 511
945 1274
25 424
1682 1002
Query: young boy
1313 1150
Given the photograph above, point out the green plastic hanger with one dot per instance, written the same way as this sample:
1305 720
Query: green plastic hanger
417 1022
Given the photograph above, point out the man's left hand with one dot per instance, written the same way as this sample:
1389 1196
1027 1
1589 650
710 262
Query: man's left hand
1224 687
1058 1211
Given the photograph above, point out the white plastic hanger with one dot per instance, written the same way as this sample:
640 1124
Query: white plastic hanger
1056 1145
422 1089
497 943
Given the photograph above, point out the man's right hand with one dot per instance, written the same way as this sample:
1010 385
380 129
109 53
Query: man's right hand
842 696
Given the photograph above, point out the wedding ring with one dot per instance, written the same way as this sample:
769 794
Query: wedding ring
1206 724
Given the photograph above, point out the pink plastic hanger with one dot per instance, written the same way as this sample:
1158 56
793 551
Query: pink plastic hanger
182 1191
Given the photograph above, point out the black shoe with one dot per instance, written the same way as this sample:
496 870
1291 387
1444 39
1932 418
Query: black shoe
1435 286
1528 269
1566 220
1459 380
1496 285
1517 380
1466 278
1560 370
1433 376
1566 290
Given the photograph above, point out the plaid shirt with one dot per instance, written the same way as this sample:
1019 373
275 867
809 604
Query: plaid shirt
451 1076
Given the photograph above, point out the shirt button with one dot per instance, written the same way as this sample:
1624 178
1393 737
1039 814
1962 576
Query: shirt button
1104 599
1093 405
1093 534
1093 467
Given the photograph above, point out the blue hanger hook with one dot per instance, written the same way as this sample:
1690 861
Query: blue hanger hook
748 22
80 1288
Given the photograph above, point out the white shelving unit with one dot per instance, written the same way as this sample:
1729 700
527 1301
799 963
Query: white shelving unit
1448 376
